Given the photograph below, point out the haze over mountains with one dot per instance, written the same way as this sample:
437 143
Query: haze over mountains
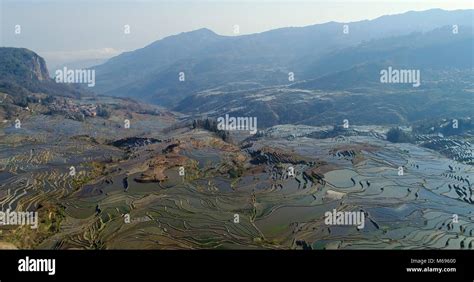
336 75
265 59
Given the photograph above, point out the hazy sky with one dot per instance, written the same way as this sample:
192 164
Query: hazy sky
67 30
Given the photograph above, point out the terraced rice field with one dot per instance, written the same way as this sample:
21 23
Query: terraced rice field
232 196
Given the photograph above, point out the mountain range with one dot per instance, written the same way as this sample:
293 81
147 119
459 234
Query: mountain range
265 59
336 75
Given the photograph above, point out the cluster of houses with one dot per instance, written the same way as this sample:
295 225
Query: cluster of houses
88 110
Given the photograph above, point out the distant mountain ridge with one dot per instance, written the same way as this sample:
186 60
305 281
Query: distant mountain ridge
264 59
347 84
